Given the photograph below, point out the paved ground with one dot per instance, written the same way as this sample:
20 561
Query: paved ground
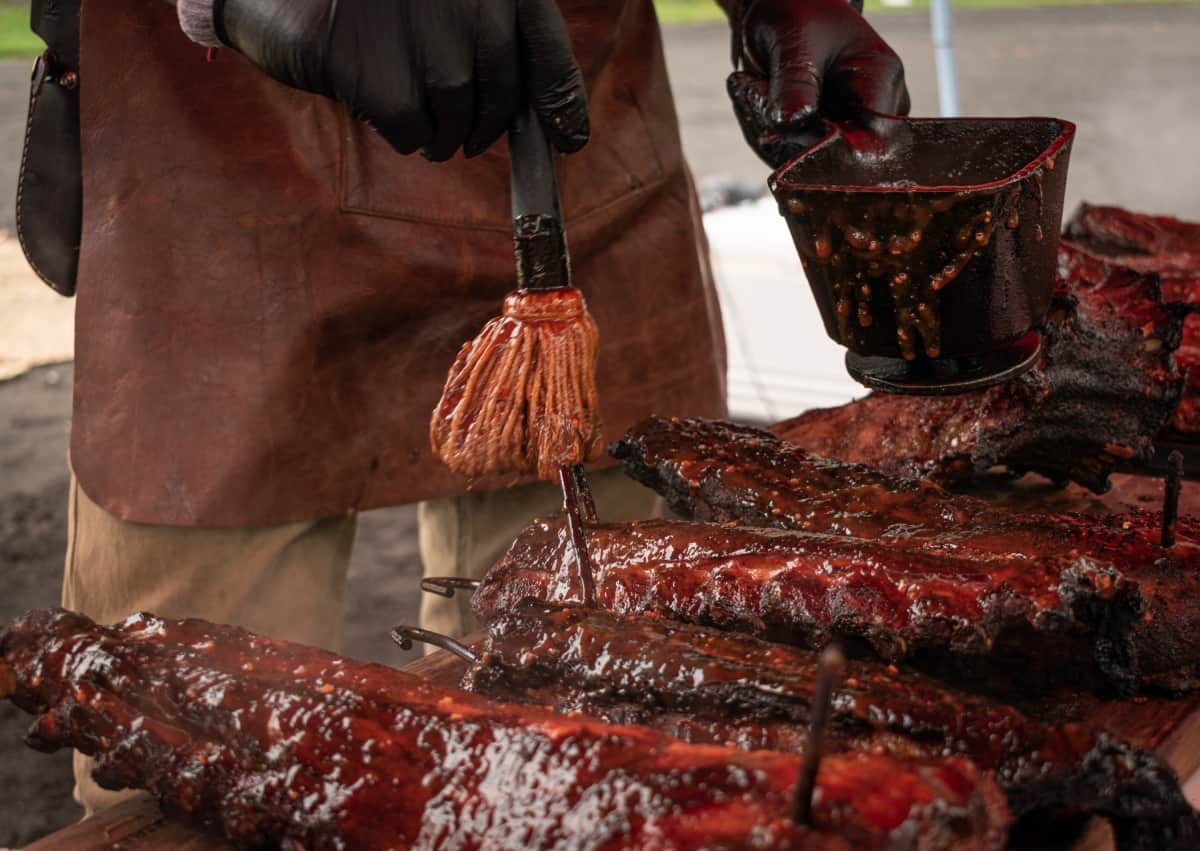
1136 146
14 106
1125 75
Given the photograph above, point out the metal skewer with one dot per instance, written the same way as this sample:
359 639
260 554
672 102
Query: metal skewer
406 635
445 586
580 508
587 505
829 672
1174 483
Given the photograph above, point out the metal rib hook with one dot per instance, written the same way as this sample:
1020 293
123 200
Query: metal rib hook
828 674
576 506
406 635
445 586
1174 483
583 488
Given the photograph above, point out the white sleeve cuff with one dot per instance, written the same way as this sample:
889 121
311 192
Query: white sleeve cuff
196 21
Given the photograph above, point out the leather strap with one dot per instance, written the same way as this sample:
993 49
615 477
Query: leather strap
49 208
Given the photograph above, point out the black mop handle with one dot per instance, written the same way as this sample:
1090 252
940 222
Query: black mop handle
539 243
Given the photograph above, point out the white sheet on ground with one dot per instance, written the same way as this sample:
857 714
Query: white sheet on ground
37 325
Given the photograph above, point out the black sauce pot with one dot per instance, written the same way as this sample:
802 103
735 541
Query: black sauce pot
930 243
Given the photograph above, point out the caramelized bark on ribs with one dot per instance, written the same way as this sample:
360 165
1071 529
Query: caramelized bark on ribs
721 472
958 611
717 471
1106 384
1108 241
704 685
272 742
1143 242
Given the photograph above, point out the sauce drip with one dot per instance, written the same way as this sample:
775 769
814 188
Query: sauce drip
898 250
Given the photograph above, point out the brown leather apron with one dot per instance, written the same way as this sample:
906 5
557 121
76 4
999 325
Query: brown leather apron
269 298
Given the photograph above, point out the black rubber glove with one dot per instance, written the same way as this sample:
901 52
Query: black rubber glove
429 75
803 59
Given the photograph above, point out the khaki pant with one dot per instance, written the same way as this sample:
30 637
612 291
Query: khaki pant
289 581
283 581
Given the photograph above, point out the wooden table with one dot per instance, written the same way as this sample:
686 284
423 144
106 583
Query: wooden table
1169 727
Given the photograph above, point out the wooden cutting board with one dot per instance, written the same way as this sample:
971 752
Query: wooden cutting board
1169 727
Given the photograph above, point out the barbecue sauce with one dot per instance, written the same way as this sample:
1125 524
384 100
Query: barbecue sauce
888 255
704 685
279 744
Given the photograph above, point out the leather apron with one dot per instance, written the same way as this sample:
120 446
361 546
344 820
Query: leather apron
269 298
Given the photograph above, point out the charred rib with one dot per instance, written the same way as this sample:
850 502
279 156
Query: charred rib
704 685
1106 385
970 614
268 742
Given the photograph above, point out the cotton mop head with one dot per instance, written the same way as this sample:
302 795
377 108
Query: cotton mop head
521 397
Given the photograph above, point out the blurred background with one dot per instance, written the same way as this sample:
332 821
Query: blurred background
1126 73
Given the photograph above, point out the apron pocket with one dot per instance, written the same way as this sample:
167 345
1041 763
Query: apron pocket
620 160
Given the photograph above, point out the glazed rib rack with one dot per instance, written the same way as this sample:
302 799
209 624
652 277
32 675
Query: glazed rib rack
703 685
919 572
970 615
1106 384
721 472
273 743
1164 252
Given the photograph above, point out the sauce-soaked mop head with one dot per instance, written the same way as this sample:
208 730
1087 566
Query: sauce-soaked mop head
521 397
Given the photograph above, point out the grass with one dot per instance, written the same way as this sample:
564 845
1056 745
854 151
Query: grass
695 11
688 11
16 40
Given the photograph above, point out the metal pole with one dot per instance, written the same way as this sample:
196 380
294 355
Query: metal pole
943 54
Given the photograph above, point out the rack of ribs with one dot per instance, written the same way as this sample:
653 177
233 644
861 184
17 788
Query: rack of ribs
1112 241
956 611
1105 386
1161 245
722 472
704 685
277 744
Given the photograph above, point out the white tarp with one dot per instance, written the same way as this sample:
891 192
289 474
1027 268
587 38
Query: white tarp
781 362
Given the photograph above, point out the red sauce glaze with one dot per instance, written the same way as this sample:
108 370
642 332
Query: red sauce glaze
271 741
1102 243
809 589
1105 384
722 472
705 685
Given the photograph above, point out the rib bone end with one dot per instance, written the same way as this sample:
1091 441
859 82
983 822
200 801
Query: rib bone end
8 681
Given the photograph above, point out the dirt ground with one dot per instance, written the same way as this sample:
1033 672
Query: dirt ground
34 415
1070 62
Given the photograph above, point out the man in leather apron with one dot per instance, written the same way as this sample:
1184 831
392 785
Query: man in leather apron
272 282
